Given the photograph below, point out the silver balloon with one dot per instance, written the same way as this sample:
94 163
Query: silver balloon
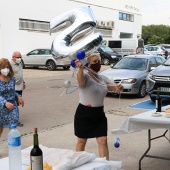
77 34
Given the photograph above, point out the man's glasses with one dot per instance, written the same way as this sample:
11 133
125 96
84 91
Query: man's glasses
17 57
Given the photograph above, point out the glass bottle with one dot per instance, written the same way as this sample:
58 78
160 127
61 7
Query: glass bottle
36 155
158 101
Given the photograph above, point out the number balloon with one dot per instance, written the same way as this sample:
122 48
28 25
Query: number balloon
76 34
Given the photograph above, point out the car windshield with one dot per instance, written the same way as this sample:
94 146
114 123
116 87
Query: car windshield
167 62
132 64
106 49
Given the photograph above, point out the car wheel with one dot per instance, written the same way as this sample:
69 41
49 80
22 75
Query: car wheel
153 98
66 67
105 61
51 65
23 65
142 90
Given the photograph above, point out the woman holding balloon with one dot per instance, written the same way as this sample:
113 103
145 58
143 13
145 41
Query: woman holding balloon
90 120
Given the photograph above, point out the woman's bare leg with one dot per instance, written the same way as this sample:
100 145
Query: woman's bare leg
103 147
81 143
1 130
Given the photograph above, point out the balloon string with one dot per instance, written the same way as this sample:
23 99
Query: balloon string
119 100
66 89
62 92
99 80
71 91
93 75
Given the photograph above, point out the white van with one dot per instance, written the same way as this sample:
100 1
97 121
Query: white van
123 46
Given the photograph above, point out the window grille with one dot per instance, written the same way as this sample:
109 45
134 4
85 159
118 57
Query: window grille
34 25
105 32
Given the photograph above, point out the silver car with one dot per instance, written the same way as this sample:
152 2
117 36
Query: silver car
43 57
156 50
131 71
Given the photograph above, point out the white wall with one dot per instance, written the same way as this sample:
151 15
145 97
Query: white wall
11 38
133 6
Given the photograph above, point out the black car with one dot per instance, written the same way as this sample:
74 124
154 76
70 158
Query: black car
108 56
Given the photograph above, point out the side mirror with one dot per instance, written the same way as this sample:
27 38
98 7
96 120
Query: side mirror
112 65
152 68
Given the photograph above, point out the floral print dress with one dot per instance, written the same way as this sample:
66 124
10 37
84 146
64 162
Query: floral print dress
8 94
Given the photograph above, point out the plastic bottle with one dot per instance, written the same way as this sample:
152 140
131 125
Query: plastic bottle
14 149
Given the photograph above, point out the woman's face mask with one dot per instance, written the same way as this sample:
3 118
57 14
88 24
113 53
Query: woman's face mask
5 71
96 67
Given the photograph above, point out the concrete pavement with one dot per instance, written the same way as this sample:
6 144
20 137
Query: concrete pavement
132 146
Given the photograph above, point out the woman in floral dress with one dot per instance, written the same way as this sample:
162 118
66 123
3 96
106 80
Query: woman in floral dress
9 113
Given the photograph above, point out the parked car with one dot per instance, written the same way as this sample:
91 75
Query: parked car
167 47
131 71
159 78
156 50
147 45
108 56
43 57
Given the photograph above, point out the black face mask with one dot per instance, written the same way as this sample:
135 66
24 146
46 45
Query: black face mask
96 67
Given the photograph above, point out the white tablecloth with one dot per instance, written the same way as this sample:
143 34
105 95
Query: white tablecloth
71 159
144 121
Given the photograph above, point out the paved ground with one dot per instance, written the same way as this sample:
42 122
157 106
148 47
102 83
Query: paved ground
132 146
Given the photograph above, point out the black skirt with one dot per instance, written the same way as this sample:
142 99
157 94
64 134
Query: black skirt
90 122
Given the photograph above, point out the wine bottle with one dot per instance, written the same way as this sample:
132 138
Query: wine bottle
36 155
158 101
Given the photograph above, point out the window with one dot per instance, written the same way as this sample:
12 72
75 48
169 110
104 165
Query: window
126 17
155 48
34 25
150 48
152 63
115 44
120 16
159 60
35 52
126 35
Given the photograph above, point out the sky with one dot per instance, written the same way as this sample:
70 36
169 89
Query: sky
155 12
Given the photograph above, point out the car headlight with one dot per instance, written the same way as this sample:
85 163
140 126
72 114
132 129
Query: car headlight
113 56
151 76
129 81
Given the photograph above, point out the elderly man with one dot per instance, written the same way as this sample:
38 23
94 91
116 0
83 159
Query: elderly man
18 74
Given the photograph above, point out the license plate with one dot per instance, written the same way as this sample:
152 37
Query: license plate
164 89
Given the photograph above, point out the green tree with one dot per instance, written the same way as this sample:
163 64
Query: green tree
156 34
155 40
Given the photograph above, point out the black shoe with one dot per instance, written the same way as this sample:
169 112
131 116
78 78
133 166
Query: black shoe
20 124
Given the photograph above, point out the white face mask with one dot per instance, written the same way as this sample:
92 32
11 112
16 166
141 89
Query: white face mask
18 60
5 71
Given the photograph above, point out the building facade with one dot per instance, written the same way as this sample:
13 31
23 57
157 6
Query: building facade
24 25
